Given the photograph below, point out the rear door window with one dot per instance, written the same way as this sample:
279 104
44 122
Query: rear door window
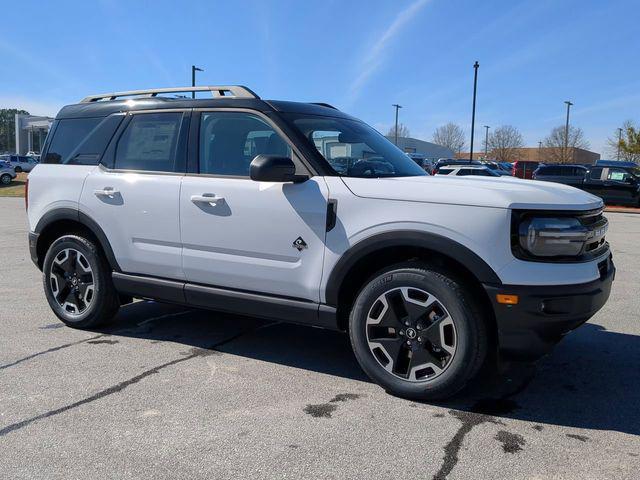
150 143
595 173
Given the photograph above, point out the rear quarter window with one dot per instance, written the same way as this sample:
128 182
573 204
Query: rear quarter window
80 141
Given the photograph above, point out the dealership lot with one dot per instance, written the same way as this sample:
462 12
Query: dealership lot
174 392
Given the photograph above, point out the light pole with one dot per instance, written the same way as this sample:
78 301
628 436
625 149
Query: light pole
473 110
566 131
398 107
486 141
194 69
539 151
619 140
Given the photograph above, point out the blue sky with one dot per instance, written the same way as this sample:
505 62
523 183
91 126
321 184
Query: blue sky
361 56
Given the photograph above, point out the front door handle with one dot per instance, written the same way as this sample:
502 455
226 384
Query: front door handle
106 192
209 198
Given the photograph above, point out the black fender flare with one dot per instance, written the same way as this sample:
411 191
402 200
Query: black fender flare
85 220
407 238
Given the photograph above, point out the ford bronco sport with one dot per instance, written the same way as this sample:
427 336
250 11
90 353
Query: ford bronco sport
301 213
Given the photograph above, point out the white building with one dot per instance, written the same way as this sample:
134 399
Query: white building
31 131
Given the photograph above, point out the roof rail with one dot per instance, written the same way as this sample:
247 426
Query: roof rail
237 91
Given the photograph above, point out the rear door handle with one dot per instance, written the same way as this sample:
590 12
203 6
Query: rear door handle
209 198
106 192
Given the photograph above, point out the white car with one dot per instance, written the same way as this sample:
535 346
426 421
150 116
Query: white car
7 173
467 170
21 163
301 213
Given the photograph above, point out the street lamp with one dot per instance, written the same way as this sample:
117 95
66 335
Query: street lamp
398 107
566 130
473 110
194 69
619 141
486 140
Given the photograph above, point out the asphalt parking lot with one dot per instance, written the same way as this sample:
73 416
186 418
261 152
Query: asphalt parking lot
172 392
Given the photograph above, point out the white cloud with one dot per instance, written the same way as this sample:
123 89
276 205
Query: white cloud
374 58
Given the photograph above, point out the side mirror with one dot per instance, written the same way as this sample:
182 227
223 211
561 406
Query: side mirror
274 168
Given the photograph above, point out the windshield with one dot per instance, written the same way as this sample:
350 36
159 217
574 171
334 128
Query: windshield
635 171
354 149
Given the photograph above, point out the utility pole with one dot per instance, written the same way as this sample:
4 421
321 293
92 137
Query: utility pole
473 111
566 132
486 141
539 151
398 107
619 140
194 69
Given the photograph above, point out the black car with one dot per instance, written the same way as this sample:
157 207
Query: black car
573 175
615 185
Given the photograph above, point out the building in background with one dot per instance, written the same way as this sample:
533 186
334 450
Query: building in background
543 155
31 132
426 150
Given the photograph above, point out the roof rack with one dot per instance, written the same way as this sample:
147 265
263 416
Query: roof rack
227 91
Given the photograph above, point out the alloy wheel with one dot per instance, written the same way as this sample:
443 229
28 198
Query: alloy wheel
411 334
72 282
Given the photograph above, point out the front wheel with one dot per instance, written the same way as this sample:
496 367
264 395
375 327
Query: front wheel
18 169
77 283
5 179
416 332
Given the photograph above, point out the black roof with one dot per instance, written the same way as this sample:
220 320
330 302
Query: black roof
104 108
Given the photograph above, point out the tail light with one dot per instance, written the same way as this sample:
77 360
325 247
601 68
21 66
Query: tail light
26 194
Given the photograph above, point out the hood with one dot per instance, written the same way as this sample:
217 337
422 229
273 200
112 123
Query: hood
496 192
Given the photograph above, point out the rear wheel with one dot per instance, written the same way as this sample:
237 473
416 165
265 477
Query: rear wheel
18 169
5 179
416 332
77 283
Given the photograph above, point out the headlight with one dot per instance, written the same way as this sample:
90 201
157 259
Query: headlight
553 237
570 237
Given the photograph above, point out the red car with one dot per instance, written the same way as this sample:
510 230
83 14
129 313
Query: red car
522 169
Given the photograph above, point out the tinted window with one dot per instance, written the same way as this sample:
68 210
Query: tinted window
150 142
229 141
68 135
595 173
445 171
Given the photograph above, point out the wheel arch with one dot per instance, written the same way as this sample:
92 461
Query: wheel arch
60 221
371 255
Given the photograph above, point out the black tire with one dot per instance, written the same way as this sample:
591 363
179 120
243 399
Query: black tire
18 169
469 342
100 304
5 179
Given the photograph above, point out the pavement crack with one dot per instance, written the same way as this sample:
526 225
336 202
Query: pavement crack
117 387
50 350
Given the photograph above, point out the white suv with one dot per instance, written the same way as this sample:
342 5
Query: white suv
301 213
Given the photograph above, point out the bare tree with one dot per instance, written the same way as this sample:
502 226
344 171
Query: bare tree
450 136
403 131
504 143
555 142
618 146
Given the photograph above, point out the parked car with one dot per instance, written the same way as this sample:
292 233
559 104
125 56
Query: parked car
524 169
467 170
507 166
615 185
21 163
496 168
452 162
573 175
7 173
256 220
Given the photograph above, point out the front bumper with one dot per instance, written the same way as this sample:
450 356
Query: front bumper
544 314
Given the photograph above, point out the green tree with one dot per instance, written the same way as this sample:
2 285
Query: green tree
630 141
8 128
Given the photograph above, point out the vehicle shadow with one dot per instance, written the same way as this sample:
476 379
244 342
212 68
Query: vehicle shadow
590 381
